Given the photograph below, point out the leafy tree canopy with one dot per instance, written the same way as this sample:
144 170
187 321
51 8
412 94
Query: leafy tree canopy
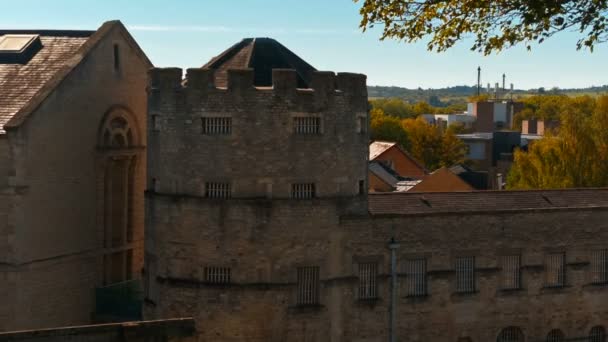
493 24
576 156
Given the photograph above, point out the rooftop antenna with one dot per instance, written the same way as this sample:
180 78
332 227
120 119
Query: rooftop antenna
478 80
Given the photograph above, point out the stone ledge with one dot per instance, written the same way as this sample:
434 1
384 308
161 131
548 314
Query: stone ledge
177 327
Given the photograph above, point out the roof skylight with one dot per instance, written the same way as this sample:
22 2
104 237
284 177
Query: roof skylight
18 48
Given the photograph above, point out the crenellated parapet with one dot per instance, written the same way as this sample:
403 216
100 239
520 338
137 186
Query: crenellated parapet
284 82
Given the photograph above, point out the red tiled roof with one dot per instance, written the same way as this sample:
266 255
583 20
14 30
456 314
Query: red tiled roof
485 201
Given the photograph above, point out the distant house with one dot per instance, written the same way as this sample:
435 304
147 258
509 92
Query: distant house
441 180
396 158
391 168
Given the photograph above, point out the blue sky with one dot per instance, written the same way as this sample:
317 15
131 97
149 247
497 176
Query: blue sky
187 33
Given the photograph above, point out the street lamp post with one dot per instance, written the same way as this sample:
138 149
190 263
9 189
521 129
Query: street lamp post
393 246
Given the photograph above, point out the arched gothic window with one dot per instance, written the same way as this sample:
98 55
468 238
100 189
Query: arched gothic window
118 137
597 334
511 334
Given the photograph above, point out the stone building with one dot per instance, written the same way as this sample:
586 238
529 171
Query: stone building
259 225
72 171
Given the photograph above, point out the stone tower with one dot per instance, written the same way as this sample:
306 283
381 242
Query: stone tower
246 156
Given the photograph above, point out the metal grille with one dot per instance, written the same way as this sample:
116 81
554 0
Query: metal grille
308 285
555 335
368 286
217 190
599 267
307 125
555 269
465 274
597 334
303 191
217 125
511 272
415 273
217 275
510 334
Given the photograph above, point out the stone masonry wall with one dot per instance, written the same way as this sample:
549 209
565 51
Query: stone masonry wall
59 242
263 242
262 156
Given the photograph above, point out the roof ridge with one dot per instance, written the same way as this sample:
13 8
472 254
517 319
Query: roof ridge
50 33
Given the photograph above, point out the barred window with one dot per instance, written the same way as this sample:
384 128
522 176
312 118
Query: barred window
599 266
217 190
510 334
303 191
307 125
465 274
415 277
217 125
555 335
555 269
308 285
217 275
597 334
511 272
368 286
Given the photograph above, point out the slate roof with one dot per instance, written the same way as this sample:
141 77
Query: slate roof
408 203
19 83
262 55
23 87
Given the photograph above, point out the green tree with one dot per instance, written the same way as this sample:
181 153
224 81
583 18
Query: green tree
384 127
453 150
577 156
493 25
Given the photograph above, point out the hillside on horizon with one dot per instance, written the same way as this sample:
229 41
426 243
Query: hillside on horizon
442 97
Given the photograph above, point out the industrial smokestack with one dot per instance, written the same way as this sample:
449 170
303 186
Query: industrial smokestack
496 90
504 77
489 88
478 80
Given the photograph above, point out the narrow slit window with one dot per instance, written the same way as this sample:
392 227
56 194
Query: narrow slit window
465 274
217 275
116 57
217 125
308 285
217 190
303 191
511 272
307 125
362 125
155 123
415 277
368 285
361 187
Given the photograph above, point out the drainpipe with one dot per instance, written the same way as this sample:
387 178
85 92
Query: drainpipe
393 246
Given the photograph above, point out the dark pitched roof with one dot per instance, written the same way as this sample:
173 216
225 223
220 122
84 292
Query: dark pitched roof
262 55
407 203
23 87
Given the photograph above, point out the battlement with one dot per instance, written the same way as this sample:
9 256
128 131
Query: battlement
284 82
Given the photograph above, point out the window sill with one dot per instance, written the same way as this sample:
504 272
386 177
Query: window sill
306 308
465 293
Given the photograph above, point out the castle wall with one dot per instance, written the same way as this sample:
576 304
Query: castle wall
263 155
59 237
263 242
